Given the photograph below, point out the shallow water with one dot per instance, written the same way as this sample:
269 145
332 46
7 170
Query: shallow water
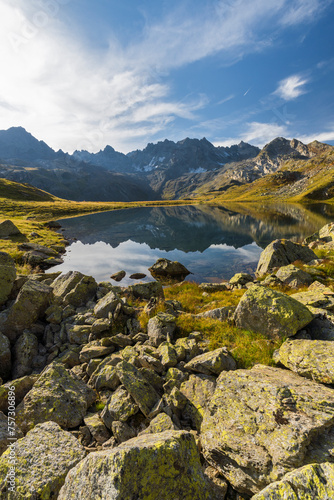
212 242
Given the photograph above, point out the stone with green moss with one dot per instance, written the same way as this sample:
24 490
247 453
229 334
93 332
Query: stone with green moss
5 357
160 423
160 466
293 276
4 432
24 351
79 334
57 395
316 298
186 349
106 305
198 391
120 407
147 290
43 458
95 349
262 423
137 385
212 363
74 288
313 359
104 377
168 355
271 313
311 482
178 376
282 253
161 328
96 427
30 305
22 387
7 276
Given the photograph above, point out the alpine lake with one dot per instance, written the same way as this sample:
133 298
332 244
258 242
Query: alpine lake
213 242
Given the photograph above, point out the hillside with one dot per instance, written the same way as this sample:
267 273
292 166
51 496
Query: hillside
15 191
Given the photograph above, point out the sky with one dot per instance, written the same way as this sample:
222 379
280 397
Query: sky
81 74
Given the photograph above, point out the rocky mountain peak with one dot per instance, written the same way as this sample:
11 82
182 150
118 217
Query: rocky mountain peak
17 143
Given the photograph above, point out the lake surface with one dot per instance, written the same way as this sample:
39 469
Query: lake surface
213 242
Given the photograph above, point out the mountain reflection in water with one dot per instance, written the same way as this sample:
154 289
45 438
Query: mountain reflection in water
213 242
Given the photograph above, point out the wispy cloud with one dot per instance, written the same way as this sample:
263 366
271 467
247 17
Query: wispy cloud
323 136
292 87
74 96
257 133
302 11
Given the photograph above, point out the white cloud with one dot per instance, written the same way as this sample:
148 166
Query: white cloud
257 134
324 136
292 87
302 11
73 96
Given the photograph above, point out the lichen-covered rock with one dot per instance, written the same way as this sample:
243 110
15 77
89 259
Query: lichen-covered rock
43 458
25 349
293 276
168 355
106 305
186 349
312 359
96 427
315 298
58 396
265 422
282 253
220 313
272 313
137 385
5 431
325 233
241 279
314 481
5 357
95 350
161 328
22 387
212 363
160 466
120 407
160 423
78 334
147 290
198 390
7 276
31 303
74 288
122 431
104 377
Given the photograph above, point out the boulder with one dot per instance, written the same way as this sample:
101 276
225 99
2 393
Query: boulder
160 466
58 396
147 290
7 276
31 303
262 423
107 305
118 276
212 363
282 253
78 334
22 387
314 482
161 328
122 431
214 287
326 233
25 350
5 357
8 228
120 407
220 313
164 268
271 313
104 377
43 458
137 385
95 350
168 355
198 391
160 423
313 359
293 276
240 279
4 432
97 428
316 298
74 288
137 276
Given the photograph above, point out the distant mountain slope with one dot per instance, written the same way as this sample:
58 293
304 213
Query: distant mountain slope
17 143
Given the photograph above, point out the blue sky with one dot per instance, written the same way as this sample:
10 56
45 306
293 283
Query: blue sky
80 74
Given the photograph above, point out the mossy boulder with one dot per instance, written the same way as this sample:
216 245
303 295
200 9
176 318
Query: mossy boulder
313 359
25 350
147 290
120 407
57 396
43 458
160 466
293 276
316 298
198 391
74 288
161 328
8 228
30 305
168 355
4 432
160 423
271 313
137 385
5 357
313 482
262 423
282 253
106 305
96 427
7 276
212 363
22 387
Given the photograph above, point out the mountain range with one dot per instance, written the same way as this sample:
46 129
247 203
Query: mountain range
165 170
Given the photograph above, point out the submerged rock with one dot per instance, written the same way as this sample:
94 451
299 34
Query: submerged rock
164 268
282 253
118 276
312 359
43 458
272 313
262 423
160 466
